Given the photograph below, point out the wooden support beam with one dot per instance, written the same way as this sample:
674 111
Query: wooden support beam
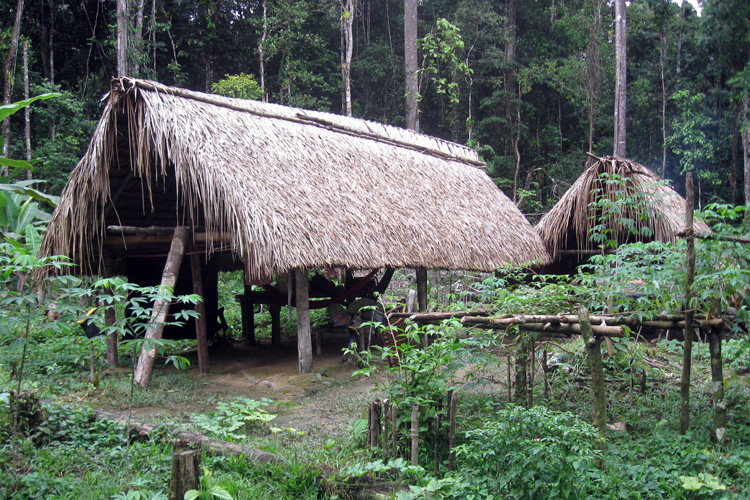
687 345
200 322
145 364
304 341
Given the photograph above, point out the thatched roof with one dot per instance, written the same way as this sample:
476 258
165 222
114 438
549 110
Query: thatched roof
651 204
284 188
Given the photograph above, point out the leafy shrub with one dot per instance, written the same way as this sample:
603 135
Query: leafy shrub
536 453
234 421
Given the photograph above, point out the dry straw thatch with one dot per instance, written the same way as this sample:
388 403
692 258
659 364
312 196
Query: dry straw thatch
651 204
284 188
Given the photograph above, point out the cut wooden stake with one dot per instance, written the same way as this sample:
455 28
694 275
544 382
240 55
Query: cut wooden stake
452 431
145 365
186 461
436 454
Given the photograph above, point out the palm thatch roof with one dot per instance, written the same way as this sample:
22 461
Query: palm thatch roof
284 188
622 196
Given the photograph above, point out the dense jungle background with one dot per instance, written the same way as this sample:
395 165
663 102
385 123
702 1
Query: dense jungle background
531 85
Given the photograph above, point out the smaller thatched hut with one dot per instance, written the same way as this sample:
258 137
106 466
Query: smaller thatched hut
620 196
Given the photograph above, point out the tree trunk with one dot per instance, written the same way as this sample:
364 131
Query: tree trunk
662 69
593 70
411 64
594 349
145 364
304 341
512 109
186 469
26 110
123 38
620 78
746 154
262 54
347 22
687 345
137 42
8 72
679 37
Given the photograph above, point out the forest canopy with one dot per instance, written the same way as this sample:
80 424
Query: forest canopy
531 85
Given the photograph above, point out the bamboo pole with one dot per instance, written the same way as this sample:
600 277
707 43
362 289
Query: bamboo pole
687 345
145 366
597 373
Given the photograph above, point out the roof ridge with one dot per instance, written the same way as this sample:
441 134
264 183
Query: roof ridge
331 121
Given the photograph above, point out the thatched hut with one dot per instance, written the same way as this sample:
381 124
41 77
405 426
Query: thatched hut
620 196
278 189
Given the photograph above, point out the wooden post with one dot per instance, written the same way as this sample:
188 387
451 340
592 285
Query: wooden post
375 424
200 322
415 434
386 424
186 462
275 309
522 357
394 432
687 345
593 346
510 378
304 342
145 365
422 288
532 361
436 454
110 317
717 378
451 431
545 371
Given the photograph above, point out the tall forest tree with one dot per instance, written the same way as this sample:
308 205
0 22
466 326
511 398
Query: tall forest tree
9 71
411 64
620 79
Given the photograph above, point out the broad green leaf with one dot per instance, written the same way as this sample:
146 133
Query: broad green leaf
8 109
33 239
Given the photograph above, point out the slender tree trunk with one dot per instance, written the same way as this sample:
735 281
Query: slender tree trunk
347 48
512 109
522 358
593 70
687 345
51 41
411 64
262 54
9 71
662 68
137 42
746 154
620 78
26 110
679 37
123 37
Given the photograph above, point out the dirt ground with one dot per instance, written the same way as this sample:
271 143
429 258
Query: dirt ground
328 397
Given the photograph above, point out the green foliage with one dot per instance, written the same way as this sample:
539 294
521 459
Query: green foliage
529 453
208 490
443 63
241 86
690 140
235 420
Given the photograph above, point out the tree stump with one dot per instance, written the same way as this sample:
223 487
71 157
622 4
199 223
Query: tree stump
186 464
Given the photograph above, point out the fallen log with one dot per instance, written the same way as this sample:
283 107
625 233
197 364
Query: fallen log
434 316
209 445
659 322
